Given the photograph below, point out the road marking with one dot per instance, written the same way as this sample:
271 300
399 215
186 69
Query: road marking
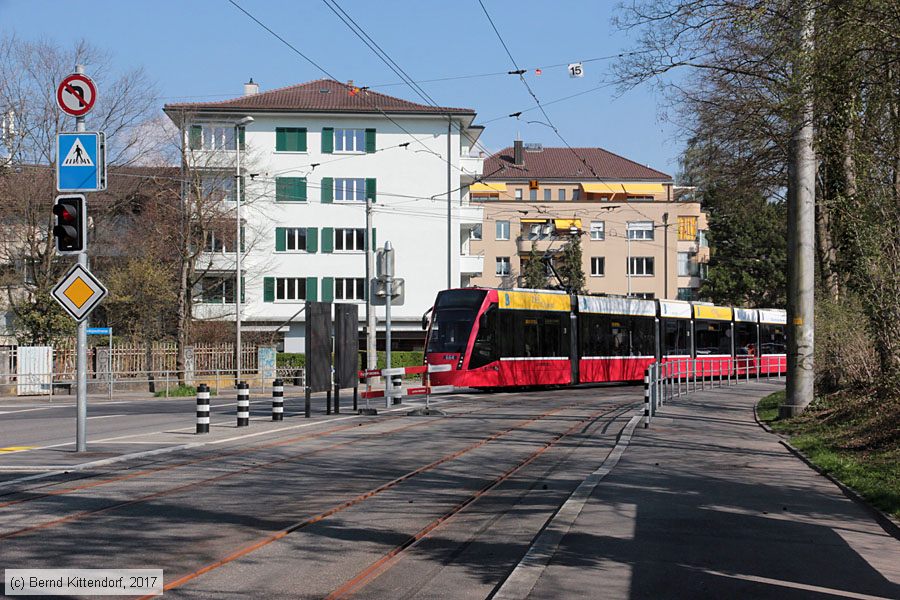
526 574
109 416
24 410
791 584
15 448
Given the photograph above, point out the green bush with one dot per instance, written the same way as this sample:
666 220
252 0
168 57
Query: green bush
290 359
399 358
180 391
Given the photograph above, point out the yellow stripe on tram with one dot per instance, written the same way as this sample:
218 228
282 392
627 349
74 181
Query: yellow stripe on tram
533 301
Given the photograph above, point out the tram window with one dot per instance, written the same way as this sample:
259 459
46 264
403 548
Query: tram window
532 334
643 336
485 349
712 337
772 339
676 338
745 338
532 337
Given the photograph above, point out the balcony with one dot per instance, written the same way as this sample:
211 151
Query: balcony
471 166
524 243
471 214
471 264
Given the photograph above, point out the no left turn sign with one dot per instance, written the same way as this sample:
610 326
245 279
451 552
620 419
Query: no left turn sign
76 95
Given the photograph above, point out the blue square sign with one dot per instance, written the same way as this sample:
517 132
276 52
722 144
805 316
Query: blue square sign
81 162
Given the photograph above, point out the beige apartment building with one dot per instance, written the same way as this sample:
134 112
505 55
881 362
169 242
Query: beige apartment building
626 214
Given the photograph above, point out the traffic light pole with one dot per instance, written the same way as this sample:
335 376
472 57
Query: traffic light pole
81 342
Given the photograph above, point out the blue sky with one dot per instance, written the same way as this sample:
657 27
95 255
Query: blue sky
199 50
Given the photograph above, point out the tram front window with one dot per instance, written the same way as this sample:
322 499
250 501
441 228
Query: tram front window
454 315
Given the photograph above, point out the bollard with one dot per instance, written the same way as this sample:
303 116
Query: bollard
202 408
243 404
646 398
337 399
307 408
278 400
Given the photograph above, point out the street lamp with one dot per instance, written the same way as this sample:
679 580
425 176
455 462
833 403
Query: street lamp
237 244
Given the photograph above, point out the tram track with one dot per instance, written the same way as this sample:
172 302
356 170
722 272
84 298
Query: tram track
368 494
250 469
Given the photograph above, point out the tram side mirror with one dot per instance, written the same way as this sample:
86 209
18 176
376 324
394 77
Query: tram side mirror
482 321
424 322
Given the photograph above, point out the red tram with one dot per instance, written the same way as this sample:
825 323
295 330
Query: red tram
513 338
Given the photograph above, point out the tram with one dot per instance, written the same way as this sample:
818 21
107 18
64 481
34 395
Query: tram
517 338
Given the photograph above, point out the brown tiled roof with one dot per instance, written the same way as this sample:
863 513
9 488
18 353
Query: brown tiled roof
563 163
321 95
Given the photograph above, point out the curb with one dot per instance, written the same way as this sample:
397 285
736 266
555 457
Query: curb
889 524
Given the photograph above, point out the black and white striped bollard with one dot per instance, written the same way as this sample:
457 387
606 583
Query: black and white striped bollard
243 404
278 400
646 398
202 408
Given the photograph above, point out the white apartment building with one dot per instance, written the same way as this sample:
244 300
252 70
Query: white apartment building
309 157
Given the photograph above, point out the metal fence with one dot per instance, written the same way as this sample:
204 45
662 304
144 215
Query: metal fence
665 381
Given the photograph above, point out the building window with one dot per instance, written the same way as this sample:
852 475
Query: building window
518 192
532 195
503 266
598 230
641 265
290 139
476 232
212 137
548 194
295 239
640 230
216 289
349 140
349 240
687 294
576 194
350 190
644 295
598 266
562 193
219 188
701 239
349 288
686 267
502 230
687 229
537 231
290 289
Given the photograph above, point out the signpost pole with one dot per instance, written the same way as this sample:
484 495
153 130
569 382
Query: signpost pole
389 276
81 343
109 364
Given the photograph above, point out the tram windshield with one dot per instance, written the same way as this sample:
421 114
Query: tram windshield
454 313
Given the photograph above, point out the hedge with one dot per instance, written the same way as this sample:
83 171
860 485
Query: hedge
398 359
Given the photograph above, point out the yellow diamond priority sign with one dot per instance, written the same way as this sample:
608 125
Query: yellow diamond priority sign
79 292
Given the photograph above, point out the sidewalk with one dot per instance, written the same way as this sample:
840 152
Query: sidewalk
707 504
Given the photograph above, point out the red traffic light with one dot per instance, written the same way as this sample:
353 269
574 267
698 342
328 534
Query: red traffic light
70 229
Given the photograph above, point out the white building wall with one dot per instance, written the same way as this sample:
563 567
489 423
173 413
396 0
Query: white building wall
404 212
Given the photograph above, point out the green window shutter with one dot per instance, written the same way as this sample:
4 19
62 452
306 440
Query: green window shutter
280 139
242 239
370 189
242 138
328 240
327 140
311 284
243 289
312 240
301 139
243 184
374 241
327 190
281 189
195 137
300 191
280 239
268 289
370 141
327 289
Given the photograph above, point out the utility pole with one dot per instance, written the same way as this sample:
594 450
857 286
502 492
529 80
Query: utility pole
449 207
801 235
388 288
665 218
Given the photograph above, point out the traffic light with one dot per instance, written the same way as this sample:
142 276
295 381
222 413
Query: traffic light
70 229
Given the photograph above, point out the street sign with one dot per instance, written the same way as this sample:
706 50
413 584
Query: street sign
79 292
81 161
99 330
76 95
378 288
576 70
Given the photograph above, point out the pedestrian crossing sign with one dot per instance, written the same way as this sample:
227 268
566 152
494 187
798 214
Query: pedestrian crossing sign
81 162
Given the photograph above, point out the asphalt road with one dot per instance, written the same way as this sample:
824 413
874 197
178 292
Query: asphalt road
391 506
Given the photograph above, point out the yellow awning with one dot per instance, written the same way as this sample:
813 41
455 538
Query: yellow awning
490 188
567 223
532 220
643 189
602 188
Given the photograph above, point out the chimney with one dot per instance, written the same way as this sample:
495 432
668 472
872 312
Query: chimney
518 153
250 88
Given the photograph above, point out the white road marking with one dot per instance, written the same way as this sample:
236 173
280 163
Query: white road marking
791 584
109 416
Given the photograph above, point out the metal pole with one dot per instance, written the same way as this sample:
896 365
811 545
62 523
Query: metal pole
449 208
628 267
388 288
801 237
371 333
237 255
81 343
109 364
665 218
